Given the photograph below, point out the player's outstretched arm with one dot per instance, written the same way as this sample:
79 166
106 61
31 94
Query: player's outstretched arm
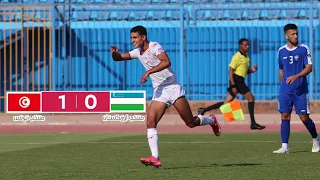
117 56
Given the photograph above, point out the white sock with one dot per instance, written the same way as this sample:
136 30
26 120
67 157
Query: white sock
153 141
285 145
315 139
204 120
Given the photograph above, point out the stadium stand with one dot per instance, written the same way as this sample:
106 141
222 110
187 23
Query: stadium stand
84 10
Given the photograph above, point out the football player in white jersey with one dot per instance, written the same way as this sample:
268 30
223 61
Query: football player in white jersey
167 91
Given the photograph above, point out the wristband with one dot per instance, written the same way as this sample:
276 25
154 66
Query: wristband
233 86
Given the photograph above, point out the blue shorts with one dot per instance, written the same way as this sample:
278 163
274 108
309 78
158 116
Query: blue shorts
300 102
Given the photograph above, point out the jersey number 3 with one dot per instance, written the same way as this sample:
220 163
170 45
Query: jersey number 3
290 59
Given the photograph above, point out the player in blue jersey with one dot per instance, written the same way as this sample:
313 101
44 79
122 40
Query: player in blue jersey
295 64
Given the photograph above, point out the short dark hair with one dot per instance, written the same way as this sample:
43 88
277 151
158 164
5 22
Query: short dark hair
139 29
242 40
289 27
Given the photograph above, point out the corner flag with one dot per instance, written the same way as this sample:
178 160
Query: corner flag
232 111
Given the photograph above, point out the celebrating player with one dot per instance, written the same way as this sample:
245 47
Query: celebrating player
295 64
238 70
167 91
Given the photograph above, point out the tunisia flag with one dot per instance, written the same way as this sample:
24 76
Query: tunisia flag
23 102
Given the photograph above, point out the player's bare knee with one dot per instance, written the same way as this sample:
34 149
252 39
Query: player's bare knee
190 124
304 117
285 116
151 123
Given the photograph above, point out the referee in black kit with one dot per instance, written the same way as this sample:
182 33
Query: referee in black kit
238 70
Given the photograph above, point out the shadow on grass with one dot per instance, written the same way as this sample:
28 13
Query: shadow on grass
301 151
221 165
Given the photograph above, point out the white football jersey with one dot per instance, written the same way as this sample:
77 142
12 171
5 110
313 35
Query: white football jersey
149 60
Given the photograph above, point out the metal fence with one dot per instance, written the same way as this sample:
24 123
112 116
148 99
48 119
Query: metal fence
63 45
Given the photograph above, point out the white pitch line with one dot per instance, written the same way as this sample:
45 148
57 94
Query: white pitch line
125 142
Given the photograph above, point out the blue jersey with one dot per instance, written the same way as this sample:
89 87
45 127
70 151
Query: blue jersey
293 61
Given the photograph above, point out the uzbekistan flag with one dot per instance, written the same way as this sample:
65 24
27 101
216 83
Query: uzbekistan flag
128 101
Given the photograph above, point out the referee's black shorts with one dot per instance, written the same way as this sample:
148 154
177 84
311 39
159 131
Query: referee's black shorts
240 85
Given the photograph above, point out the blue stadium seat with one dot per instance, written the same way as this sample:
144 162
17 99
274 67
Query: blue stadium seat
172 15
9 1
8 16
302 14
263 15
113 15
315 14
208 14
217 14
99 1
46 1
81 15
59 1
74 15
235 15
42 15
141 1
138 15
159 15
150 15
122 1
103 15
93 15
235 1
123 15
244 15
283 14
18 16
217 1
226 15
78 1
292 13
201 14
160 1
63 12
119 15
253 14
175 1
274 14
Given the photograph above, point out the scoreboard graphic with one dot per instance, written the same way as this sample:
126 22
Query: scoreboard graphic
76 102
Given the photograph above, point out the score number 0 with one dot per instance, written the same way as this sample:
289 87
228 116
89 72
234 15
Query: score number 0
86 101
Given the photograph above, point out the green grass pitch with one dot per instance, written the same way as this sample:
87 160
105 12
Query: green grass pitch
232 156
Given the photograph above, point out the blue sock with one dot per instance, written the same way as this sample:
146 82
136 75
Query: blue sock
285 130
311 128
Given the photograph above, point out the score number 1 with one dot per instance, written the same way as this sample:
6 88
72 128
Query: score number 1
73 101
86 101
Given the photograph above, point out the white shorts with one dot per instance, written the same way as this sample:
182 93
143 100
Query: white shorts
168 94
